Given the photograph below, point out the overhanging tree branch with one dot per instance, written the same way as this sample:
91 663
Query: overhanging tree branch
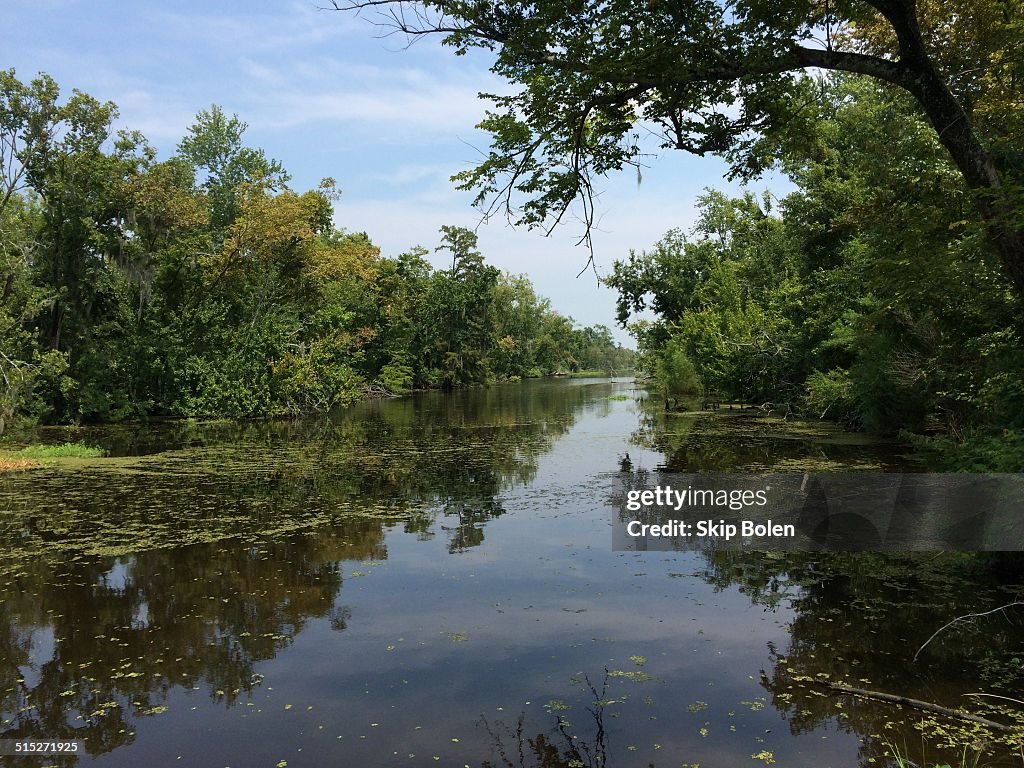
582 62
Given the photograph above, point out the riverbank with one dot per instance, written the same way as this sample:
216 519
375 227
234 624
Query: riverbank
724 433
12 464
36 456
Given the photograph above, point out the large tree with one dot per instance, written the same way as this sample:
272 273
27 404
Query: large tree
713 76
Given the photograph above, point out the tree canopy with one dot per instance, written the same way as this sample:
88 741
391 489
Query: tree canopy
863 295
203 285
595 76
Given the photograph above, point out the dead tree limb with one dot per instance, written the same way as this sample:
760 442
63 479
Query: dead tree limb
963 618
924 706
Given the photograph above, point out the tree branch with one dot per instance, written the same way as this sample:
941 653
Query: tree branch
962 618
924 706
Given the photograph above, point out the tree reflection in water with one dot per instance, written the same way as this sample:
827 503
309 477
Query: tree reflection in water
125 580
559 747
859 619
98 645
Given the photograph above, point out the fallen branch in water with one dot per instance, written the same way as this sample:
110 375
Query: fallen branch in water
962 618
995 696
925 706
377 390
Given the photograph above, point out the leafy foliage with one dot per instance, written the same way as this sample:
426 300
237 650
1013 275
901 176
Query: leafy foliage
202 285
864 296
594 79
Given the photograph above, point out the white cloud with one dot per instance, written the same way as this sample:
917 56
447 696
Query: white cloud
410 104
293 25
260 73
390 110
410 173
162 120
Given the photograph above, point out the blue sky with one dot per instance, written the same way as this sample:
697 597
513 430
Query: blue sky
327 96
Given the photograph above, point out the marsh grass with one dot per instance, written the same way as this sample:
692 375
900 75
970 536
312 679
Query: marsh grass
35 456
970 757
63 451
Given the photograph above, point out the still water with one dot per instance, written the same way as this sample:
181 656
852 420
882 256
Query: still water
429 581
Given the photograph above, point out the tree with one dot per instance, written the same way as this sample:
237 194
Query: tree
836 299
714 77
202 285
458 311
517 314
723 298
676 375
214 147
67 171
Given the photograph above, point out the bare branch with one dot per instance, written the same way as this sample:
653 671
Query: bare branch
924 706
963 618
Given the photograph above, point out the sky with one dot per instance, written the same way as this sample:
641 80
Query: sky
325 94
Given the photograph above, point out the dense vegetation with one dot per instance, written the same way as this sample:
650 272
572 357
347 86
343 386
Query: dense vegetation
887 290
202 285
867 295
595 81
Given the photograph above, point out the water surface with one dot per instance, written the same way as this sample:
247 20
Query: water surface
430 581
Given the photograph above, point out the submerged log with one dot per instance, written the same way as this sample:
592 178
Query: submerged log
924 706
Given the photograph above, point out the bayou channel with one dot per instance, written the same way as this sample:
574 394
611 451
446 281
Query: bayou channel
430 581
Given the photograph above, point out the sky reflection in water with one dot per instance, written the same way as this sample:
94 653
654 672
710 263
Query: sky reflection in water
430 581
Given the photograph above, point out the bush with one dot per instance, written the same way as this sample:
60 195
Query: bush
676 375
1001 398
831 395
891 382
237 385
24 387
396 377
317 381
978 452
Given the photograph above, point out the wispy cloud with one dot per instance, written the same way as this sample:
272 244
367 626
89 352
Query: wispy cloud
412 173
291 25
407 103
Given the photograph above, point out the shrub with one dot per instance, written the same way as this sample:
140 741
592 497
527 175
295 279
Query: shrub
396 377
831 395
676 375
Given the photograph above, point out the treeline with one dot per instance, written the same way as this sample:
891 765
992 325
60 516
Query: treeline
869 295
202 285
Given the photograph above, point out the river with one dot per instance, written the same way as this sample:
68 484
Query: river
430 581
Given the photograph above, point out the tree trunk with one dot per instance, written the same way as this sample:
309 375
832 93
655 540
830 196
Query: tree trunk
1009 241
955 131
979 171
